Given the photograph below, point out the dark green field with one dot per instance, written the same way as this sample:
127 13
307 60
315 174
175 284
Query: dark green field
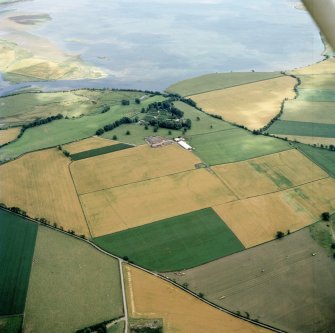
17 242
283 127
234 145
323 157
175 243
99 151
11 324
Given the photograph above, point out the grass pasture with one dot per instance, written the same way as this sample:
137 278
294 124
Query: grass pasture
11 324
40 183
93 142
269 173
9 135
72 285
130 166
17 243
317 95
322 157
150 297
234 145
280 283
216 81
256 220
99 151
256 105
140 203
300 128
309 112
175 243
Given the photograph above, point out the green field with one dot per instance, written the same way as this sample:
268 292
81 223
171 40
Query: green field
313 112
17 242
72 285
175 243
283 127
217 81
67 130
25 107
234 145
99 151
11 324
116 328
317 95
323 157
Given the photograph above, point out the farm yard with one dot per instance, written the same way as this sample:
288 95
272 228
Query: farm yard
257 104
130 166
151 297
217 81
287 283
234 145
8 135
256 220
72 285
269 173
40 183
17 244
140 203
176 243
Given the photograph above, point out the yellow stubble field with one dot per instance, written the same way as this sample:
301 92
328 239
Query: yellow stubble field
151 297
256 220
252 105
144 202
88 144
323 67
9 135
40 183
269 173
129 166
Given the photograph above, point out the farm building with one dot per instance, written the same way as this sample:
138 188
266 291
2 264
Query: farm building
183 144
157 141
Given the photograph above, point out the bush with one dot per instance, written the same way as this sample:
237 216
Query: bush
325 216
114 137
125 102
128 132
279 234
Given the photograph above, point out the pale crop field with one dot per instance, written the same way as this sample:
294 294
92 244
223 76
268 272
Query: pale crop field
129 166
324 82
269 173
256 220
9 135
151 297
144 202
323 67
88 144
40 183
252 105
309 140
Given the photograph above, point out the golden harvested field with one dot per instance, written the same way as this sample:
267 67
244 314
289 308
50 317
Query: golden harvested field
256 220
88 144
252 105
268 174
151 297
9 135
40 183
129 166
309 140
323 67
140 203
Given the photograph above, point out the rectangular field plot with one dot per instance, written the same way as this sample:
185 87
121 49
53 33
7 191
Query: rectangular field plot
302 128
88 144
17 243
210 82
318 82
281 283
72 285
317 95
175 243
309 112
257 220
234 145
256 105
269 173
323 157
11 324
99 151
40 183
150 297
144 202
129 166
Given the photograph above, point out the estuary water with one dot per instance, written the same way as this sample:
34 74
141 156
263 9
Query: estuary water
151 44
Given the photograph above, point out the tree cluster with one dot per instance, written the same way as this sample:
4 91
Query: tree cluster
117 123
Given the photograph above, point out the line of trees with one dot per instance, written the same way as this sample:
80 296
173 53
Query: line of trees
117 123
